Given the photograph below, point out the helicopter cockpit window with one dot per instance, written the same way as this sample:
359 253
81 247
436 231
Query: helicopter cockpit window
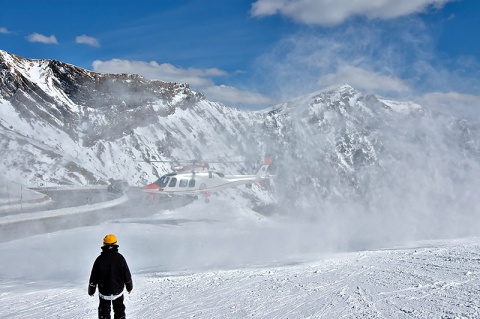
183 183
173 182
191 183
162 181
221 175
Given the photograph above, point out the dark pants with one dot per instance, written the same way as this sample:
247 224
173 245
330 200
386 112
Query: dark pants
118 308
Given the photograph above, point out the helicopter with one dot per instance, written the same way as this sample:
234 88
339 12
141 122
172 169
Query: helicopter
198 179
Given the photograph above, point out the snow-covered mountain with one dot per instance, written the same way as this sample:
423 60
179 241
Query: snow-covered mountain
334 150
63 124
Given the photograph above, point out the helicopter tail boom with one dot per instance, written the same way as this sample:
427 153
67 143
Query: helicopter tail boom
262 172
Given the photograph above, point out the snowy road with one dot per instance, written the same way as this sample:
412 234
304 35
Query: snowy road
224 261
76 208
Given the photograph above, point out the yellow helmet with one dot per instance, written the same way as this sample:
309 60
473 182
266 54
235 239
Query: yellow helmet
110 239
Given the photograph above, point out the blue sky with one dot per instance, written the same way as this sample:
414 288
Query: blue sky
254 53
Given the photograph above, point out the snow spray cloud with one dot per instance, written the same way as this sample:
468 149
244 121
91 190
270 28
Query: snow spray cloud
373 176
364 176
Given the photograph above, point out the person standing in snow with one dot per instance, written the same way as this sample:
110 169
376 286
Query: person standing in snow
111 273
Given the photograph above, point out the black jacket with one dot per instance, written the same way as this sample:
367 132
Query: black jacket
110 272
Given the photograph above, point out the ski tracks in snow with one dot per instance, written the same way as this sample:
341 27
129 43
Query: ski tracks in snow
432 280
438 282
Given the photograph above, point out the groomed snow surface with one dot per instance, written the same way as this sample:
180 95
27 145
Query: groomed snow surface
220 260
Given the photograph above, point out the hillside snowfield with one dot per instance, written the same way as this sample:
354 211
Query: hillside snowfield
220 260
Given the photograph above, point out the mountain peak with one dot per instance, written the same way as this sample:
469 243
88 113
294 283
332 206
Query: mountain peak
337 88
331 94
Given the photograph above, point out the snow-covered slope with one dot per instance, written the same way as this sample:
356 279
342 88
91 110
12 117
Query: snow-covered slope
228 262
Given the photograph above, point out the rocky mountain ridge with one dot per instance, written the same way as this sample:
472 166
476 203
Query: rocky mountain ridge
61 124
93 108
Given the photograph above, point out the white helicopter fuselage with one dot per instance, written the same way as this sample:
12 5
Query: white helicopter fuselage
194 183
202 182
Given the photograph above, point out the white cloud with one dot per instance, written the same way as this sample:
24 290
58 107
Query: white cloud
359 55
228 94
164 71
36 37
328 12
84 39
452 102
4 30
199 79
363 79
